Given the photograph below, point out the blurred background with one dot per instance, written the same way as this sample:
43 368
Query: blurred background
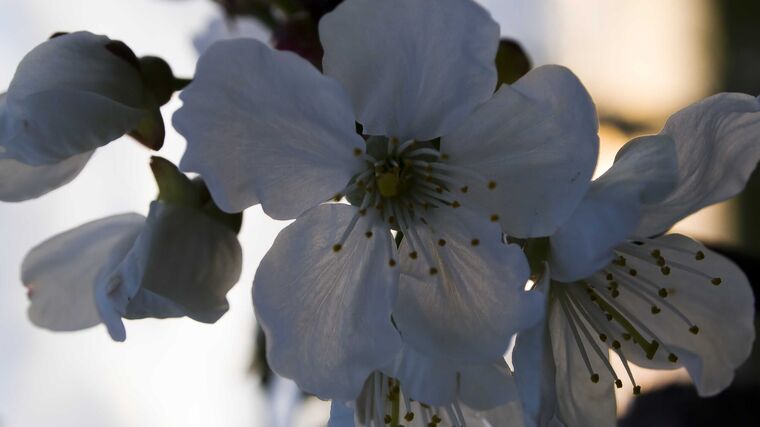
641 61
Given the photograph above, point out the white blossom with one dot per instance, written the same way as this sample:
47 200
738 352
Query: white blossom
266 127
619 284
177 262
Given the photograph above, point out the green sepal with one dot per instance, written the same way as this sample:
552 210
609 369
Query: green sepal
151 131
173 186
511 62
158 78
176 188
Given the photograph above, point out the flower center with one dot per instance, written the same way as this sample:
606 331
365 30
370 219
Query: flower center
612 308
402 183
383 403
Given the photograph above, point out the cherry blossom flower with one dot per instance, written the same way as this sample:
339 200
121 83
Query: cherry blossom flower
70 95
177 262
441 159
617 283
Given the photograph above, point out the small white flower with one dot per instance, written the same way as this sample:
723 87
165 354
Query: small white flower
266 127
177 262
415 390
660 302
69 96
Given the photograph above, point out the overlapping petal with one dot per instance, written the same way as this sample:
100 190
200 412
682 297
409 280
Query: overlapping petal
475 301
534 145
327 314
487 386
413 69
718 148
265 126
19 181
62 272
644 172
534 366
432 380
182 264
723 314
69 96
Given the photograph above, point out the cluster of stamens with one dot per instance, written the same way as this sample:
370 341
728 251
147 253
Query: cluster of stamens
402 183
644 271
384 403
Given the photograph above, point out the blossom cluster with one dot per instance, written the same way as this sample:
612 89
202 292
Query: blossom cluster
437 214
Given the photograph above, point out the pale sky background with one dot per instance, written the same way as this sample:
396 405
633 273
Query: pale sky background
182 373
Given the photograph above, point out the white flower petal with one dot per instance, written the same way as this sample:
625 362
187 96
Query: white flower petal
537 142
266 126
432 380
645 171
19 181
470 308
534 366
580 402
509 414
61 273
182 264
341 415
718 148
487 386
413 69
327 314
724 314
69 96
